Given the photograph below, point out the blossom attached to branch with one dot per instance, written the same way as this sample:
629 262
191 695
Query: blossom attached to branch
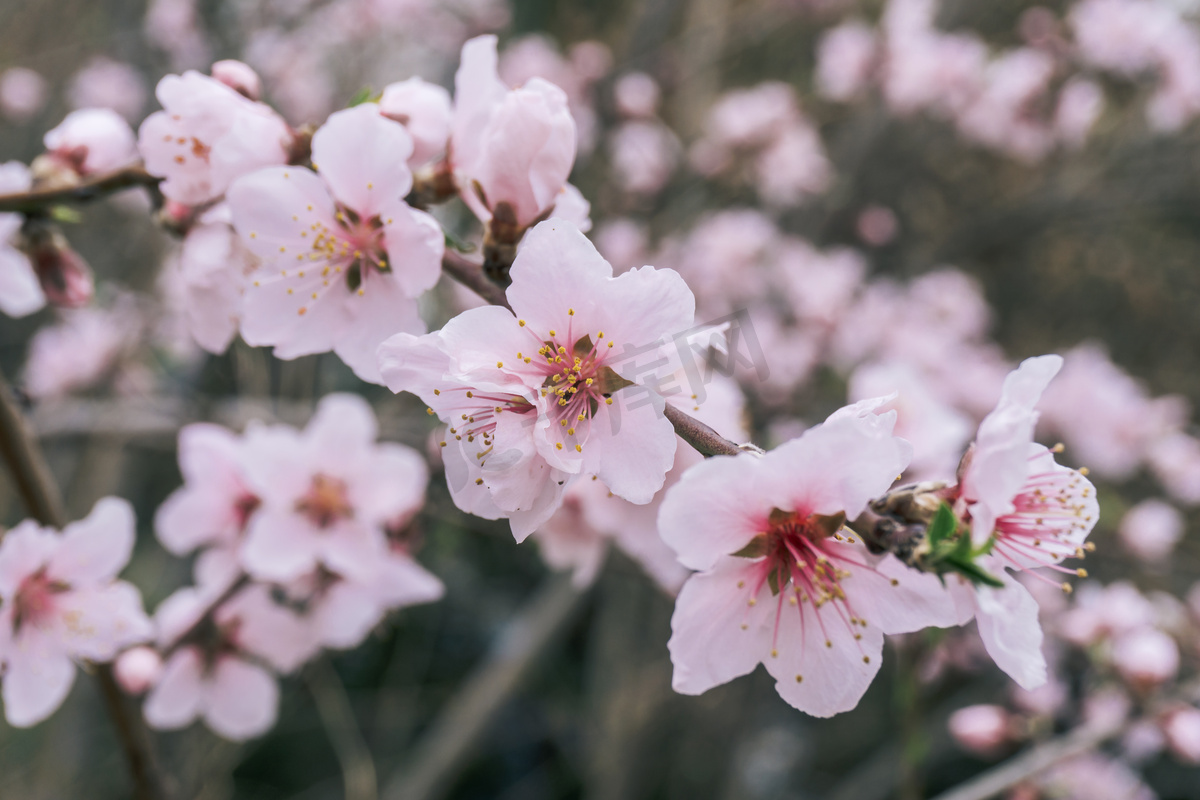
60 602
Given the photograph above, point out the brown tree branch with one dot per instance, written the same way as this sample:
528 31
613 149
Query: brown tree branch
85 191
41 497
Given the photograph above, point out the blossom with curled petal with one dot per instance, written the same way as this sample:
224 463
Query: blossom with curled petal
782 582
60 602
344 257
511 150
557 388
1032 511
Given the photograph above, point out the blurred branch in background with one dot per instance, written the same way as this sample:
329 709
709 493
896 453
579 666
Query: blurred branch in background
436 761
1029 764
337 715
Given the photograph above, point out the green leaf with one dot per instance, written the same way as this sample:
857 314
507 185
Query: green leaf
973 572
363 95
65 214
943 526
457 243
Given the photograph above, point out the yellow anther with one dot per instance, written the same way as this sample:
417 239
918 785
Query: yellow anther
558 445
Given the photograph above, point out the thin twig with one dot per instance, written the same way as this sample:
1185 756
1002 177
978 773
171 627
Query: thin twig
1031 763
706 441
41 497
85 191
337 715
25 463
435 761
471 276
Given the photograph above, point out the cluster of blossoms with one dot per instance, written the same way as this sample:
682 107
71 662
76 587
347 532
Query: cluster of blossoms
761 137
1026 101
306 538
1137 648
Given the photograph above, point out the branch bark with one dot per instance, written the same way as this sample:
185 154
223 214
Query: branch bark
90 189
42 500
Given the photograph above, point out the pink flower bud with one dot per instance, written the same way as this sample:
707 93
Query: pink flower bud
65 277
1182 729
92 140
424 109
981 729
137 669
239 77
1146 657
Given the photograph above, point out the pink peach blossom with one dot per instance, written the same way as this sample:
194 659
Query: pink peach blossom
81 350
215 503
938 431
845 57
344 257
326 493
207 136
578 535
555 389
1106 418
62 603
20 291
213 268
341 612
781 582
644 153
1033 513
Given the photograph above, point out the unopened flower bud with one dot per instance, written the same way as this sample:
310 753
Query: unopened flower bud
239 77
137 669
982 729
65 277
